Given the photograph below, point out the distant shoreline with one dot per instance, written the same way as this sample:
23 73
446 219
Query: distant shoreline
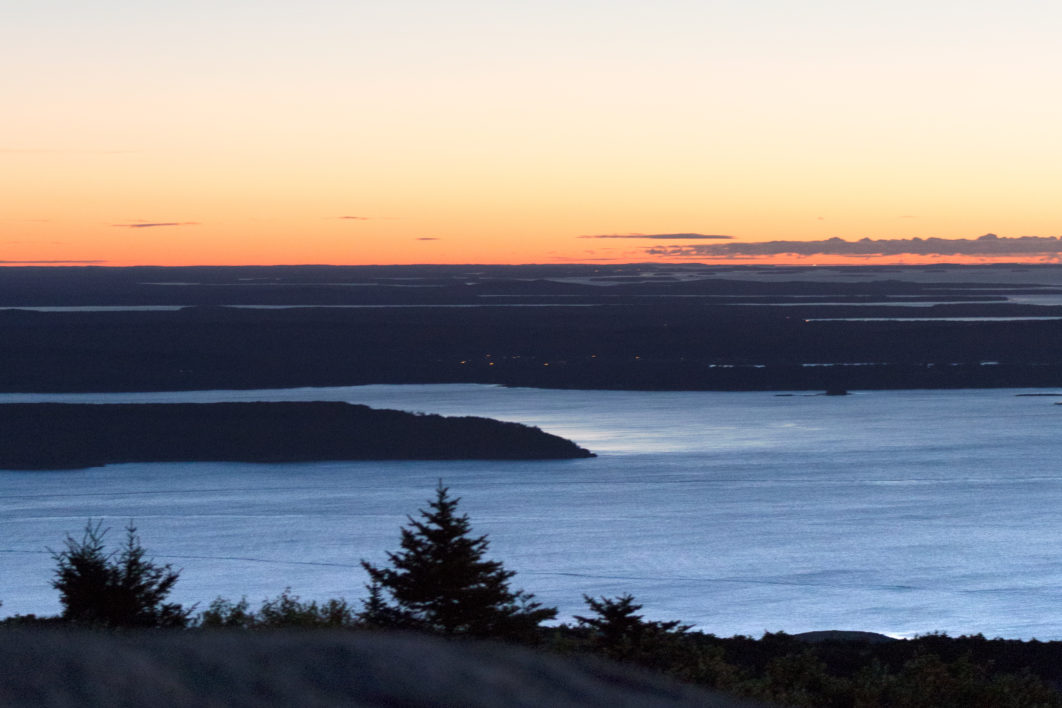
632 327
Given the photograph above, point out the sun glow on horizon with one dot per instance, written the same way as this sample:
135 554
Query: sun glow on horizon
492 133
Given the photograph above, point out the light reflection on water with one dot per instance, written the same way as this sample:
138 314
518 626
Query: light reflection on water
930 319
901 511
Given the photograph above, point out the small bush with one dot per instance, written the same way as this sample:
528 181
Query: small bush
285 611
114 589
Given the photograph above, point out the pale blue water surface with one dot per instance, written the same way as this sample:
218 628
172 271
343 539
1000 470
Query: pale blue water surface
901 512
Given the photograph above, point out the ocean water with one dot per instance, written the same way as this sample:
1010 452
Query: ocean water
901 512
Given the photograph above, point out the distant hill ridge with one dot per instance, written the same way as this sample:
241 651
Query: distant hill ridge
66 436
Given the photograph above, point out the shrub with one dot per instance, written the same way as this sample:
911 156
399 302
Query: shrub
285 611
114 589
619 632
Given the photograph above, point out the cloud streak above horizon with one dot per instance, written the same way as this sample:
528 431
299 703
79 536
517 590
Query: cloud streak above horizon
61 151
94 262
154 224
988 245
662 237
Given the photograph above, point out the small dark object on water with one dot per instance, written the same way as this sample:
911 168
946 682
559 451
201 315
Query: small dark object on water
836 391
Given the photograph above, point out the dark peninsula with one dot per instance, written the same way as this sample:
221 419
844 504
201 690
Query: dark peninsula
70 436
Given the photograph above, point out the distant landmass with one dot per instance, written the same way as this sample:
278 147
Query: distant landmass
578 326
70 436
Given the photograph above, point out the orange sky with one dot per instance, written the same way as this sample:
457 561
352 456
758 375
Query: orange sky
495 132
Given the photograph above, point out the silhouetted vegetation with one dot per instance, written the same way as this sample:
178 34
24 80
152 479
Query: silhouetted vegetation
617 632
441 582
285 611
119 589
933 671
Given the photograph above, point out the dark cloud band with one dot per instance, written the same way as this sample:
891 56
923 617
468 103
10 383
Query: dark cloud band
987 245
51 262
662 237
154 224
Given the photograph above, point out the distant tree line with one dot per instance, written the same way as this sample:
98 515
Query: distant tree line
441 582
654 343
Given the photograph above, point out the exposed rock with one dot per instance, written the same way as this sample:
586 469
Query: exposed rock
837 635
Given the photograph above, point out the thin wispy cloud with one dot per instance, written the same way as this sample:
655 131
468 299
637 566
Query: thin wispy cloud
52 262
354 218
155 224
663 237
988 245
585 259
61 151
427 238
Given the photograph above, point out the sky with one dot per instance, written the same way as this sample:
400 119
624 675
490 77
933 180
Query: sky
493 131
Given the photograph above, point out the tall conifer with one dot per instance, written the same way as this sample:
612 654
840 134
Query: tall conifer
440 581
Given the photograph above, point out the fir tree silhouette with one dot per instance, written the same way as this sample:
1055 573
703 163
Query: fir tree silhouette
441 582
116 589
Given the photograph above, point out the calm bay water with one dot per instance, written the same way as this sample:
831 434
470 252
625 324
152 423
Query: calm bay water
901 512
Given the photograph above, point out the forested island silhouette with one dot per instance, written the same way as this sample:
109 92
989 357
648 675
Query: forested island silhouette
66 435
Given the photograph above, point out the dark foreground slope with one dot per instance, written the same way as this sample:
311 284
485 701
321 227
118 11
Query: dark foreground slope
60 669
59 435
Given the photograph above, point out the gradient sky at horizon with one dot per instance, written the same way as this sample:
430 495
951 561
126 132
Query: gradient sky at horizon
507 132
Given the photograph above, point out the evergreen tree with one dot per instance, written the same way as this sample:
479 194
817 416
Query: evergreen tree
376 613
440 581
122 589
621 633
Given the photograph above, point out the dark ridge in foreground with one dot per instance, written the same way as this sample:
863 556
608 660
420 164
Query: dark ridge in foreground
67 436
86 670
